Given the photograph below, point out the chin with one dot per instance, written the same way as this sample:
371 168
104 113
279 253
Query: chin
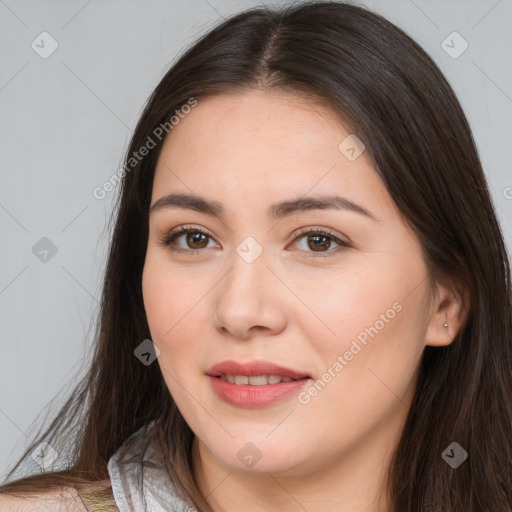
260 456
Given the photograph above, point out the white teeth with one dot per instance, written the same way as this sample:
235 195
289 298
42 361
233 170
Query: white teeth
241 379
258 380
255 380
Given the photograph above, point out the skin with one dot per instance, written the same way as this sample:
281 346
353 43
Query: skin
249 150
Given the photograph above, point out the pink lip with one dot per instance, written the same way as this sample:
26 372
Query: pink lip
253 368
248 396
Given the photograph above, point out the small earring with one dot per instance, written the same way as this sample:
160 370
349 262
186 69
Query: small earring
446 325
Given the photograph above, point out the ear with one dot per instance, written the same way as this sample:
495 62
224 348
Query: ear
450 307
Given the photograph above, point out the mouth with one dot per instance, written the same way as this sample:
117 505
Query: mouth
255 373
255 380
255 384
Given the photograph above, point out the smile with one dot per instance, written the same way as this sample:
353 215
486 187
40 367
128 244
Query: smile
255 380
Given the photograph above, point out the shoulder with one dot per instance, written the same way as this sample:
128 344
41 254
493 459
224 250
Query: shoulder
65 499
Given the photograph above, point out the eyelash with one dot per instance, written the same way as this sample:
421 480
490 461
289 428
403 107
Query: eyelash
169 239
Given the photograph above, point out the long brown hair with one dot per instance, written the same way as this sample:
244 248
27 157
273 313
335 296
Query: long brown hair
395 99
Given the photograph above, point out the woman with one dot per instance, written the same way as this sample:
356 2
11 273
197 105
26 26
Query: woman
307 299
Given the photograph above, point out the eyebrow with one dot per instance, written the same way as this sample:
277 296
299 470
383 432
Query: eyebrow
275 211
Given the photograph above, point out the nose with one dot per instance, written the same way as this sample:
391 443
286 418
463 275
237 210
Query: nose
249 300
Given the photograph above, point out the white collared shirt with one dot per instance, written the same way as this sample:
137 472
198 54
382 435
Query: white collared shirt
138 488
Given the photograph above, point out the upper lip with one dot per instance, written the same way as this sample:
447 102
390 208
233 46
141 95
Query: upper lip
253 368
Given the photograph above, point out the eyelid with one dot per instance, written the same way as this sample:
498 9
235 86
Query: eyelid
316 229
183 228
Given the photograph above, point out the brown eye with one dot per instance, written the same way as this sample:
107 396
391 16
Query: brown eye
195 239
320 241
317 242
198 238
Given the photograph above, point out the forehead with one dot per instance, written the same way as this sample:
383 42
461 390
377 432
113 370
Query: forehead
262 144
248 120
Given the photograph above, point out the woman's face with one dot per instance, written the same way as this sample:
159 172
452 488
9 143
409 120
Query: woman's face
348 309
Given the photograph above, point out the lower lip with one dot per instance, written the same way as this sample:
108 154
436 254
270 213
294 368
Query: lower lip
255 396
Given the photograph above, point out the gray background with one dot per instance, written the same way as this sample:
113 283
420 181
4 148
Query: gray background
65 122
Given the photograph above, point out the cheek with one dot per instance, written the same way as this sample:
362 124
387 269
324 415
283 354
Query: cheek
344 305
168 297
175 314
173 326
367 372
368 334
